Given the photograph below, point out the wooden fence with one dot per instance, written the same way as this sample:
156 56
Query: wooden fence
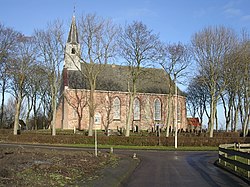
235 157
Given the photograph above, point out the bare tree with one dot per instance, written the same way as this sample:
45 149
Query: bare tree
197 98
9 112
176 60
211 46
139 47
108 114
98 40
77 99
51 50
36 88
245 83
8 41
19 70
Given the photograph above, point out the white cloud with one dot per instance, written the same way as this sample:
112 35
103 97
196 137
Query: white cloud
140 12
245 18
235 9
232 12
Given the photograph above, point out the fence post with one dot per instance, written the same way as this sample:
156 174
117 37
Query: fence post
225 163
235 157
248 163
219 155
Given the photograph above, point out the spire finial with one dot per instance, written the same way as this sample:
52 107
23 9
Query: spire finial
74 11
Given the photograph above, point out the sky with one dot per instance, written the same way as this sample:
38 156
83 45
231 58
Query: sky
174 20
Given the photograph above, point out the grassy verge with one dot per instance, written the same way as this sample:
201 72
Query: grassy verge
162 148
240 171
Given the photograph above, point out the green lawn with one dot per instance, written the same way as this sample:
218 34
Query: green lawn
163 148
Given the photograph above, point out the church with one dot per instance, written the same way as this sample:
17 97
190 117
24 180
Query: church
151 105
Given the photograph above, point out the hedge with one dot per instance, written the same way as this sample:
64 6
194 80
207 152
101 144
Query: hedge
121 140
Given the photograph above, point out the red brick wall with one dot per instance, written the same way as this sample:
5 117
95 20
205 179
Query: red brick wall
104 100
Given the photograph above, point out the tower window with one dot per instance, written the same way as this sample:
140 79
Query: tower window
73 51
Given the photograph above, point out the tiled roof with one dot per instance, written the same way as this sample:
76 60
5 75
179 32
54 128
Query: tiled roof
117 78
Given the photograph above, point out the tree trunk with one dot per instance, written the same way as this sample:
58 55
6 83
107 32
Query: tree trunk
18 108
245 126
53 122
91 109
216 121
28 113
35 114
212 116
246 119
169 114
79 121
2 103
236 116
130 110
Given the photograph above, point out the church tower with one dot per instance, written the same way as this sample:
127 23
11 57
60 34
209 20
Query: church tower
72 61
72 49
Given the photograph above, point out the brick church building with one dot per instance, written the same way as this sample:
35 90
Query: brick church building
150 106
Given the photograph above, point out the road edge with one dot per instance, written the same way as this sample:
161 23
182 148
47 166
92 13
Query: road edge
114 176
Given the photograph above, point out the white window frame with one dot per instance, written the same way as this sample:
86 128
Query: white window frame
179 112
157 109
117 108
137 109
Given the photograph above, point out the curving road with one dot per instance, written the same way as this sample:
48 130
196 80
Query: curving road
162 168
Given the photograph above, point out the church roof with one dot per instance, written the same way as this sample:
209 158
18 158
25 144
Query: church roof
117 78
73 34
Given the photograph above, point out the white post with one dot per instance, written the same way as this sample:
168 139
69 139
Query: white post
111 150
176 112
95 143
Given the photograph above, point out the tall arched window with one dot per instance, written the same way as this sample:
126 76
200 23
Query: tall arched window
117 108
137 109
157 110
75 115
179 112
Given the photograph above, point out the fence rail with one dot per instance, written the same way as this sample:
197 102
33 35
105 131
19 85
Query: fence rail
235 157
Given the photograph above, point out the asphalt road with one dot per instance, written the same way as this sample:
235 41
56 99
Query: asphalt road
163 168
173 168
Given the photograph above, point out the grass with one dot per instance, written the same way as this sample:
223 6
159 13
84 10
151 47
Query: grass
161 148
239 170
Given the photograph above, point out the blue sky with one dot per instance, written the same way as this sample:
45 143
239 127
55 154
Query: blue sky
174 20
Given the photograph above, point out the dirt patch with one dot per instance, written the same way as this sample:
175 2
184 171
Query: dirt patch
46 167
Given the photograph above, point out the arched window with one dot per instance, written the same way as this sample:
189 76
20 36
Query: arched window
157 110
137 109
75 115
97 118
73 51
117 108
179 112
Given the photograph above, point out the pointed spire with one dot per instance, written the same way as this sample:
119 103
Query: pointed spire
73 35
